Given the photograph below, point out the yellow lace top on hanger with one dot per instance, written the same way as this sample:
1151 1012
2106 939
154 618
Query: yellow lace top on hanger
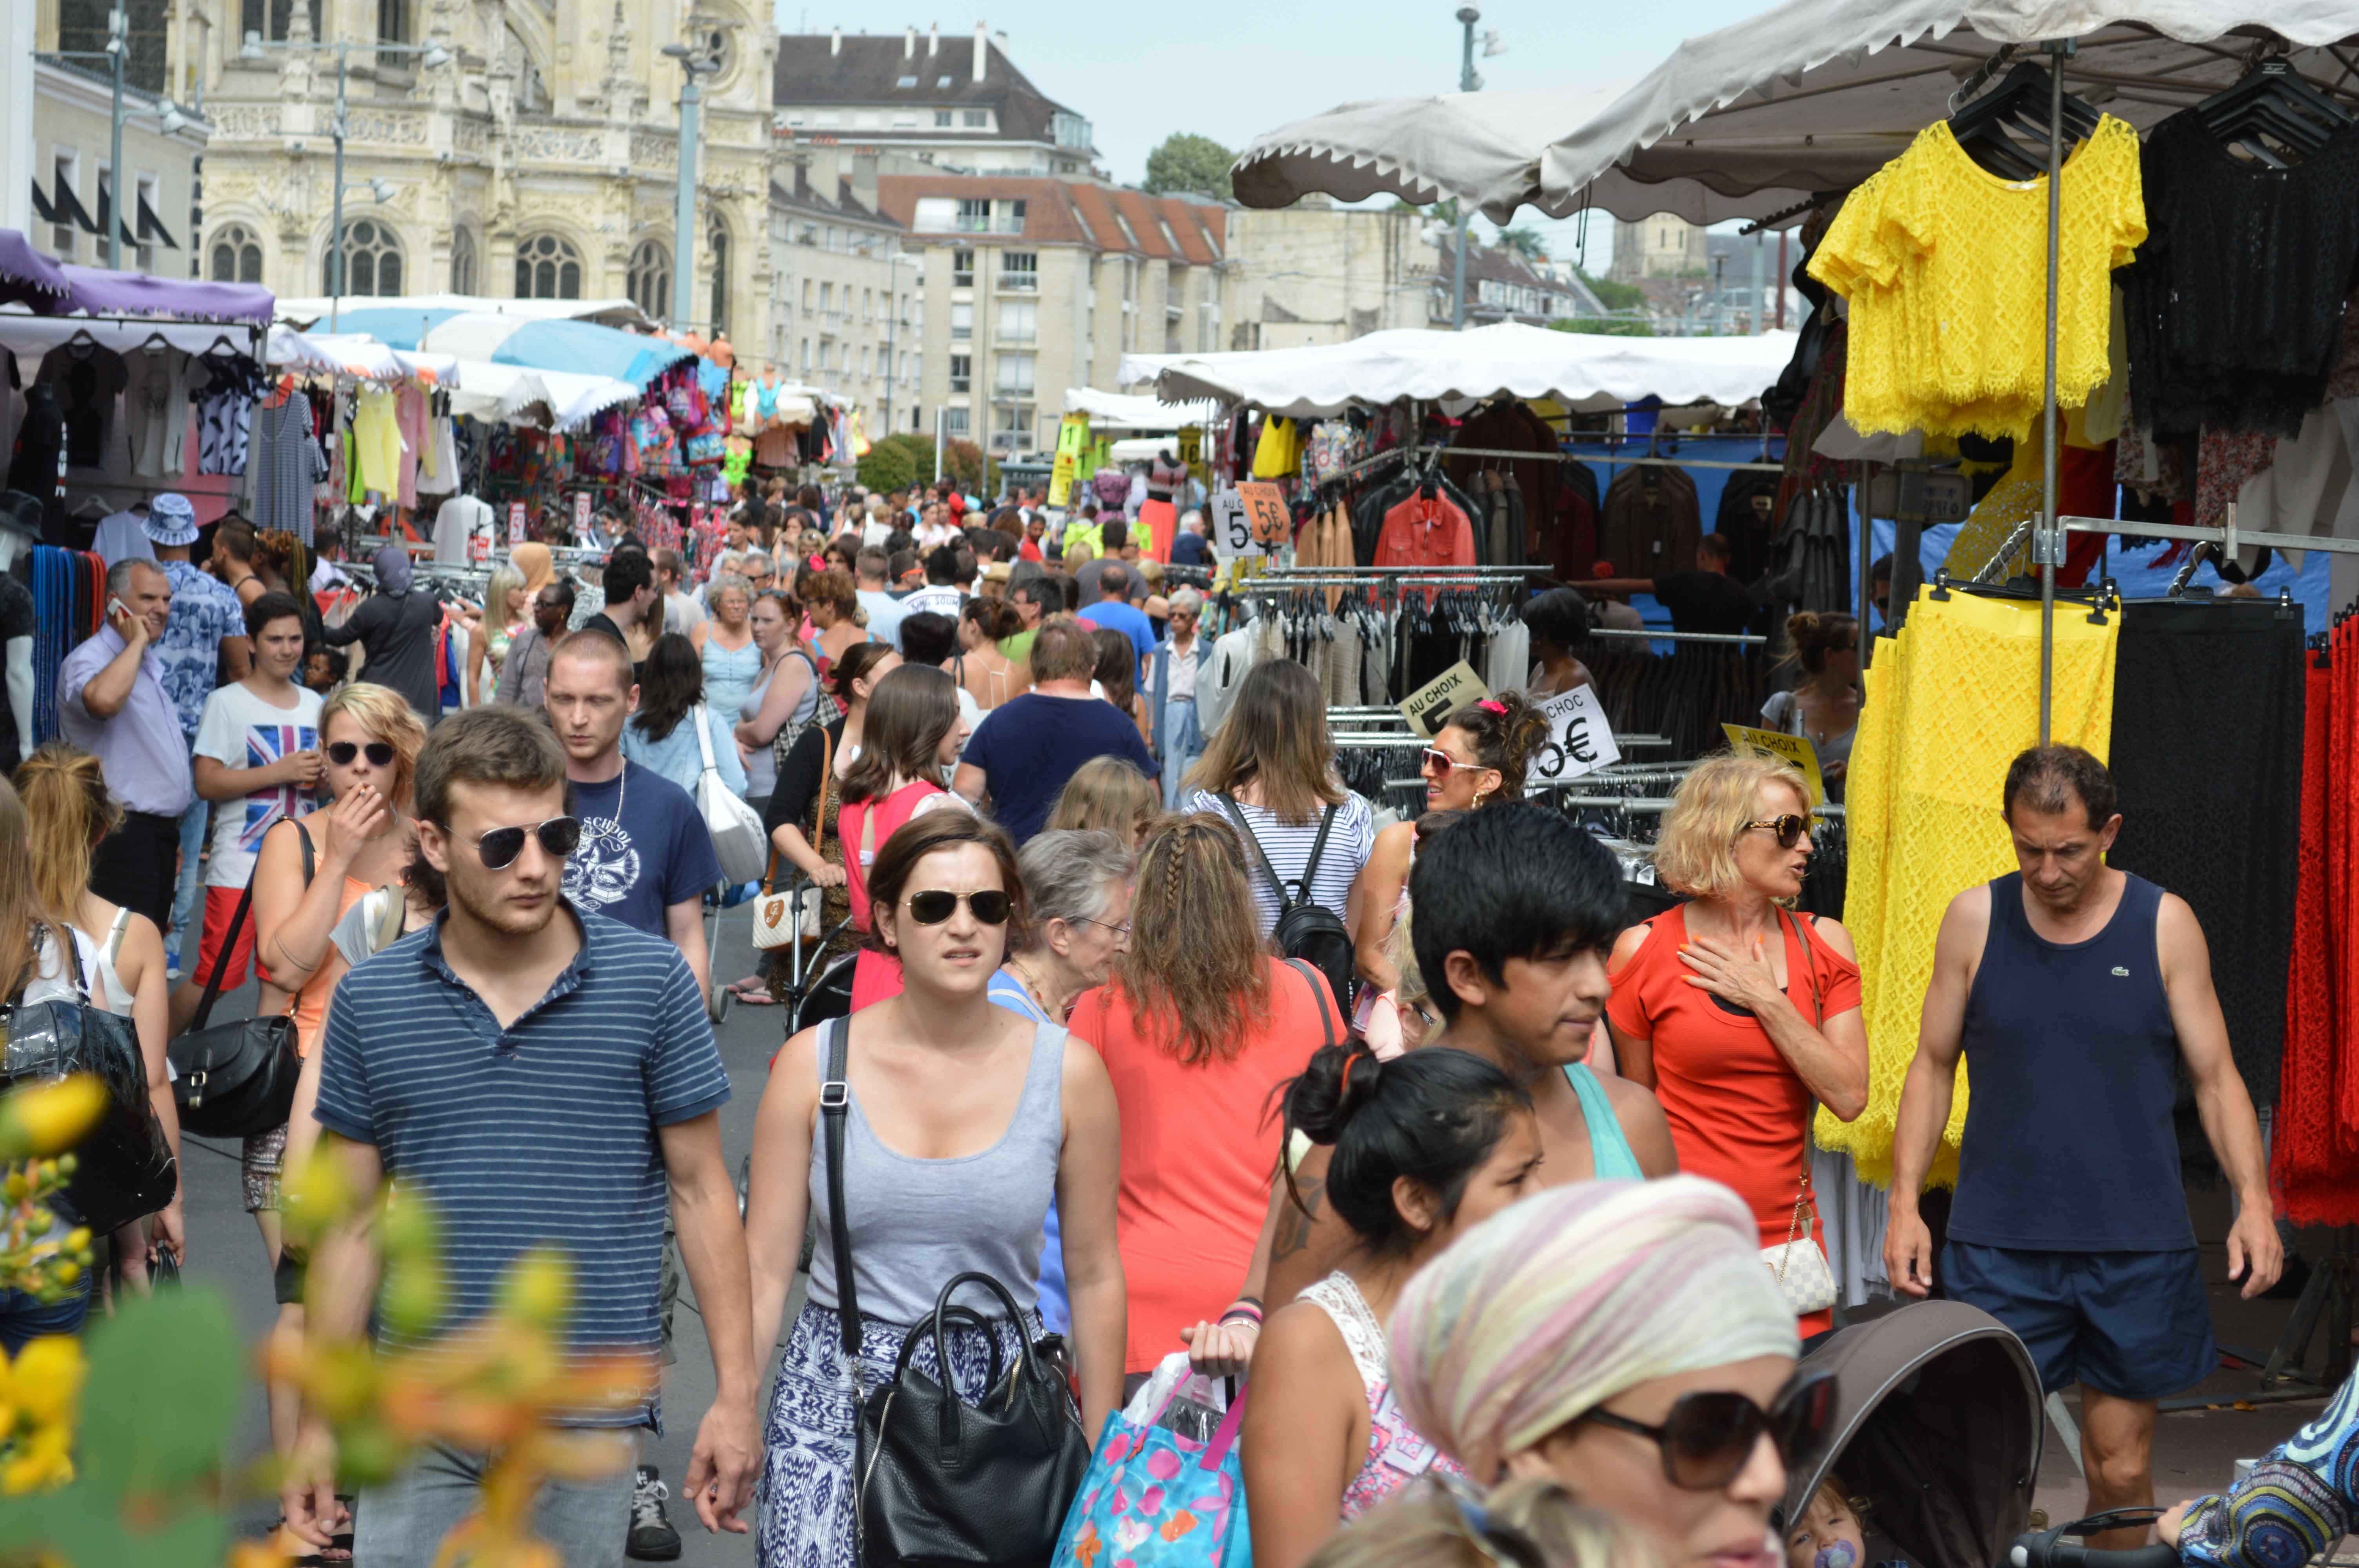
1949 704
1945 266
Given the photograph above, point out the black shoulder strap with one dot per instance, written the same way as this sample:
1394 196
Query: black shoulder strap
229 944
1317 848
834 1104
304 834
1284 903
1322 993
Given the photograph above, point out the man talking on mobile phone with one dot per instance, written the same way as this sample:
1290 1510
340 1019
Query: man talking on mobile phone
112 703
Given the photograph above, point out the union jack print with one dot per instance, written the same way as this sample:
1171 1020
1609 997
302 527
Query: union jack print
266 745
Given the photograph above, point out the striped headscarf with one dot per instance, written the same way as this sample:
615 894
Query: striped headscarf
1548 1309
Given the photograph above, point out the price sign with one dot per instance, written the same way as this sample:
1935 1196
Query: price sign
1265 506
1448 692
581 511
515 523
1794 749
1191 449
1579 739
1232 529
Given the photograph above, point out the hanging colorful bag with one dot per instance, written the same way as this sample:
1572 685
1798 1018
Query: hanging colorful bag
1163 1491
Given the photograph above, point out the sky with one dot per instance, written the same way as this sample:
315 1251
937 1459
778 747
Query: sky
1231 74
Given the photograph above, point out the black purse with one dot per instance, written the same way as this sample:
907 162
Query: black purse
124 1169
940 1483
234 1080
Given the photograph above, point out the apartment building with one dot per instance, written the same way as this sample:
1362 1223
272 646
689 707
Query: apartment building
1033 285
67 200
845 315
959 106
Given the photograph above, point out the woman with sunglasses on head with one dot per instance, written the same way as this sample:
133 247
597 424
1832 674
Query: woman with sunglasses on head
309 872
1477 758
911 740
1738 1013
1622 1339
1424 1149
1199 1025
1824 704
965 1120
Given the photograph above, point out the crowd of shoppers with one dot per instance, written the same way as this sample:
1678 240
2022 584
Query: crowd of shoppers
1517 1241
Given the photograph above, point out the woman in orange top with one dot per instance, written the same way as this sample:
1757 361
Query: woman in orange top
1737 1013
1198 1027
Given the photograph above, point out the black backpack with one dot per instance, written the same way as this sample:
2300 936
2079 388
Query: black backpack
1310 932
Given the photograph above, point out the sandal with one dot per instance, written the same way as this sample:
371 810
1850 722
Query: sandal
754 992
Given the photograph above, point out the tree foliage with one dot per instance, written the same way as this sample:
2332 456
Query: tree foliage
1188 164
898 461
1615 296
1525 240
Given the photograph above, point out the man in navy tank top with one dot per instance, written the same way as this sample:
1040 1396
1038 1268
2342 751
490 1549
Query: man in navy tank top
2075 991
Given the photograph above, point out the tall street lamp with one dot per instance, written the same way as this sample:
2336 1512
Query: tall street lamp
170 119
432 56
1468 82
893 320
694 63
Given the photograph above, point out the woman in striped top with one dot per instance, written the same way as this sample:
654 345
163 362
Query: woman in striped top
1274 759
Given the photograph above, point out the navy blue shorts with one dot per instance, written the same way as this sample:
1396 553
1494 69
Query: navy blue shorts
2133 1325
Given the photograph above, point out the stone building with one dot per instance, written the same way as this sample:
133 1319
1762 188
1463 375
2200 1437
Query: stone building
1659 246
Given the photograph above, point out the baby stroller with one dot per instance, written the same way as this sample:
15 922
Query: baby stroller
1938 1419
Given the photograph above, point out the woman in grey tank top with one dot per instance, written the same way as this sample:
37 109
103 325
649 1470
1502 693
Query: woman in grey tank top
964 1119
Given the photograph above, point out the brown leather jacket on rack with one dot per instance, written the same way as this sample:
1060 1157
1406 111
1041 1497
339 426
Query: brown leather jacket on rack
1650 523
1326 541
1511 427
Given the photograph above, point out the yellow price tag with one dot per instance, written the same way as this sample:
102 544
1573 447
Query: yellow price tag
1794 749
1442 696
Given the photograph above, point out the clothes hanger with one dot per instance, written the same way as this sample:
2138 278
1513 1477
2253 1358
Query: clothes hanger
2020 103
2276 100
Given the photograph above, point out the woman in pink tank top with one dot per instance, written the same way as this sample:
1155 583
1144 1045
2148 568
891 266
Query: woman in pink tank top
912 737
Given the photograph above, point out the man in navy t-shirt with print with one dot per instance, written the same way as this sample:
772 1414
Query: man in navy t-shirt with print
1020 757
646 858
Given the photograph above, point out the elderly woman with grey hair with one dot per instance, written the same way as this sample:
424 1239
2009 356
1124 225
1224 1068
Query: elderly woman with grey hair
1078 887
1171 685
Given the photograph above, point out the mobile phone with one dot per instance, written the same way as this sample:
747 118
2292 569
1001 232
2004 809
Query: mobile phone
115 607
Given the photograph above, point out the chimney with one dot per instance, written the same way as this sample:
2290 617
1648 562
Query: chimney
861 178
999 42
980 45
835 42
933 41
909 42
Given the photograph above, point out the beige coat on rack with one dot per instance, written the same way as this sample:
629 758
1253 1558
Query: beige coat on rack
1326 541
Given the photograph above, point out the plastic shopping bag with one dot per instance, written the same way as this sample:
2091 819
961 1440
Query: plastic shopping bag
1164 1490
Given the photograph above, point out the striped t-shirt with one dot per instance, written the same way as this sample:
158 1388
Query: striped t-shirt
544 1134
1288 844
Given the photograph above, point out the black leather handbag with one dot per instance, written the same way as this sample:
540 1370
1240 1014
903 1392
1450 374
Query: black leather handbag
940 1483
123 1168
233 1080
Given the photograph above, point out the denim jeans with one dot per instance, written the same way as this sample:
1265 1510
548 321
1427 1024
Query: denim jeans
1183 743
24 1318
402 1523
189 890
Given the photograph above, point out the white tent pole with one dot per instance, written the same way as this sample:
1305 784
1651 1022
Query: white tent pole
2048 547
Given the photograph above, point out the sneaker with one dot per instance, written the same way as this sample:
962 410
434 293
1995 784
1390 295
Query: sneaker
652 1538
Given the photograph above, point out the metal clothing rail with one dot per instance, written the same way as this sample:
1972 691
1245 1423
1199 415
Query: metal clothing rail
1649 635
1415 577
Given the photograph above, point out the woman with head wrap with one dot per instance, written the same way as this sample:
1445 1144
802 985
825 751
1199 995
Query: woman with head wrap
1626 1339
537 564
396 629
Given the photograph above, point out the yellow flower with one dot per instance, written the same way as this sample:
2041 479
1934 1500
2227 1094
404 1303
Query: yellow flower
48 1117
538 1288
38 1463
46 1379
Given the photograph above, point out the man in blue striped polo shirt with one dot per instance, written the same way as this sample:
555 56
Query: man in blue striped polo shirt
542 1076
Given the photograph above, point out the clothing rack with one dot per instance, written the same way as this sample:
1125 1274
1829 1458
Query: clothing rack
1649 635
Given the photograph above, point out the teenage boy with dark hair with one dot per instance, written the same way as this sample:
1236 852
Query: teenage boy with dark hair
1514 910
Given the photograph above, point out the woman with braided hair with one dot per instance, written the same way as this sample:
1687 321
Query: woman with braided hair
1198 1027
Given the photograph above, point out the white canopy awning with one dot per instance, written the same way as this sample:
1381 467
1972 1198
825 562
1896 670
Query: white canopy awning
1818 94
1483 147
607 313
357 354
574 397
1129 411
1508 357
31 336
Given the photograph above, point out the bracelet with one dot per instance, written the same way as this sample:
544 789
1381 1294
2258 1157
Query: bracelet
1243 1314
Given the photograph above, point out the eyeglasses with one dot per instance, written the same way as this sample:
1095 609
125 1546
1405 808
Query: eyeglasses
1709 1436
1122 931
380 755
1790 828
934 905
501 846
1442 761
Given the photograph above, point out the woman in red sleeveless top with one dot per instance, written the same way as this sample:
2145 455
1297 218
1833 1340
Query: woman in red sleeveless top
911 739
1736 1012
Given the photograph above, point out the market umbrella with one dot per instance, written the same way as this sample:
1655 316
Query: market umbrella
1483 147
1506 358
102 293
311 309
29 277
1816 95
1128 411
577 348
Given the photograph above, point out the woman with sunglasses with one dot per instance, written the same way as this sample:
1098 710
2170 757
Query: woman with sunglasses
1424 1149
1624 1339
1477 758
1199 1025
309 872
910 741
1738 1013
965 1119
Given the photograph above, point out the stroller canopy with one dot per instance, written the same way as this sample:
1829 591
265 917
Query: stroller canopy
1937 1421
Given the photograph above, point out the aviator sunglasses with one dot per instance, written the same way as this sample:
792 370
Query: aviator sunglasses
934 906
1790 828
1709 1436
501 846
380 755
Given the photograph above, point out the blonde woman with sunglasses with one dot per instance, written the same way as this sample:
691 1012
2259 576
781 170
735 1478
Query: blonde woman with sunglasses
1738 1011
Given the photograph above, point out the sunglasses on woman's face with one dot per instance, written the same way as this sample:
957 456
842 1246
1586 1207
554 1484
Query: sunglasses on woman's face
934 905
501 846
1709 1436
1441 762
342 753
1790 828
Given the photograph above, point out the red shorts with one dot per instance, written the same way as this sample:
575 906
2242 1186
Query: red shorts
220 904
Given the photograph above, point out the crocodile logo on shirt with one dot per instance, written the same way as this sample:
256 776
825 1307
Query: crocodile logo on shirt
2121 972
